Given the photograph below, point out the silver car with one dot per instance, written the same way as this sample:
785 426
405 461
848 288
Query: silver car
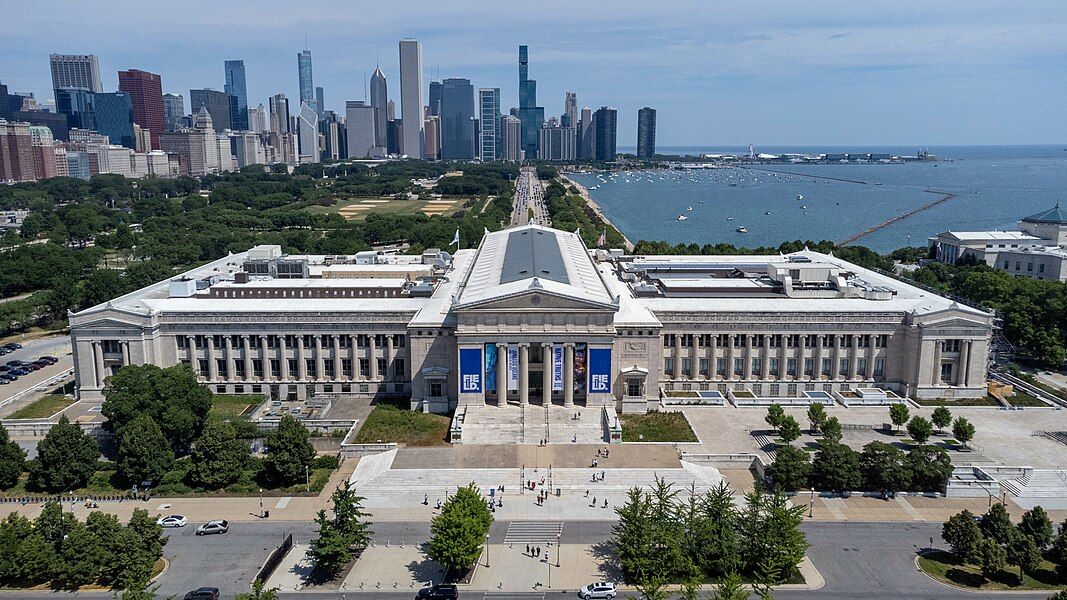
217 526
602 589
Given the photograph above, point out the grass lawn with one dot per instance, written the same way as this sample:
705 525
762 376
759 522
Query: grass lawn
1024 399
395 425
657 427
945 567
231 406
984 401
42 408
404 207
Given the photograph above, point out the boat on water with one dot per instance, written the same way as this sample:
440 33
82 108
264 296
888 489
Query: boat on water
767 213
803 207
729 218
742 229
733 185
690 208
800 196
682 217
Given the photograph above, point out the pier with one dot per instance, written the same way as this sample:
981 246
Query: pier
944 198
859 181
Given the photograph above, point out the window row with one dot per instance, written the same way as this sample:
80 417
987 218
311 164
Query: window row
202 367
774 367
381 340
704 340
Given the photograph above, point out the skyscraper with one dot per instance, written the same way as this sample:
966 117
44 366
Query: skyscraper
361 128
217 104
511 138
530 115
308 131
432 135
307 84
646 132
489 117
146 95
379 101
113 116
411 140
258 121
457 119
320 100
75 71
586 134
173 111
235 86
77 105
279 113
435 98
556 142
570 110
605 120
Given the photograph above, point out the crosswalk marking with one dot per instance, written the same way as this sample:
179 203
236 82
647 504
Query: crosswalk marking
533 532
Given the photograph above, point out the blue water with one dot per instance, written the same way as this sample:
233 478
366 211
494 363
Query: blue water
995 187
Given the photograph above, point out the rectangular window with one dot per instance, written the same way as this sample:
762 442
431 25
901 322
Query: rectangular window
879 367
861 366
1030 267
739 366
703 364
220 366
842 366
293 369
720 366
346 367
328 367
775 363
398 367
633 388
687 367
182 341
201 366
257 368
309 365
668 366
383 366
275 367
946 372
364 367
436 388
757 366
827 365
791 367
809 366
1041 268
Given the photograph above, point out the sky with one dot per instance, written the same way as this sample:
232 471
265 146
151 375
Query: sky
770 73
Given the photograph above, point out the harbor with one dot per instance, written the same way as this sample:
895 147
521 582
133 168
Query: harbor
584 193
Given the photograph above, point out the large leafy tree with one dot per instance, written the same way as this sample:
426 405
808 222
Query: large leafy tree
289 452
171 397
774 417
898 413
1057 553
991 558
219 457
1024 552
929 468
996 524
343 535
789 429
1036 525
962 534
831 429
458 532
66 458
962 430
920 429
12 460
144 454
836 468
790 469
816 416
941 417
883 468
632 536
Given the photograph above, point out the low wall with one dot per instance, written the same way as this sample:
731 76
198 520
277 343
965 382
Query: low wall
728 461
360 450
38 428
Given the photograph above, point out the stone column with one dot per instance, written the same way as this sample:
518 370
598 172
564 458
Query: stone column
372 356
524 373
816 373
568 374
502 374
212 365
937 362
227 343
301 359
676 352
283 358
338 369
390 374
712 357
264 357
353 356
190 352
320 362
546 377
747 352
730 355
965 363
765 358
783 358
870 359
246 347
854 356
98 363
125 353
835 355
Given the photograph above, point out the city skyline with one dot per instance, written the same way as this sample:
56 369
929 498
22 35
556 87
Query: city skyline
875 75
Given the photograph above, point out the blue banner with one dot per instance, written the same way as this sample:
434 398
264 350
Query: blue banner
600 370
490 367
470 370
557 368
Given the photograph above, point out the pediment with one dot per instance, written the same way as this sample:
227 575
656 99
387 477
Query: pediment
953 318
536 300
109 317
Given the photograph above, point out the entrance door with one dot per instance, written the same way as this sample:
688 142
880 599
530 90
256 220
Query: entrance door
537 386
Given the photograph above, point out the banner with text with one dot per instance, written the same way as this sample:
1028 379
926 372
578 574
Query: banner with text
600 370
490 367
557 368
513 368
579 368
470 370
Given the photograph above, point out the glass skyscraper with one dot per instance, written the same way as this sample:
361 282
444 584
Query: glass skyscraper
113 117
530 115
307 83
489 122
646 132
235 87
457 119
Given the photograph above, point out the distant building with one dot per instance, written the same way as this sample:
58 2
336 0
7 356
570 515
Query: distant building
55 122
247 148
217 104
379 101
142 139
435 98
570 110
393 134
146 97
489 119
586 135
605 122
42 145
646 132
75 71
307 83
1037 250
174 115
258 121
77 105
432 133
200 150
510 138
308 132
236 88
113 117
16 156
411 139
334 134
556 142
360 118
530 115
457 119
279 113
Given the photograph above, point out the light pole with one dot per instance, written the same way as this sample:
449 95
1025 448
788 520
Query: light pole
559 548
260 503
307 479
549 563
487 551
811 503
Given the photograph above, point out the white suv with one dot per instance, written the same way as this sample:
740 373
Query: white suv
601 589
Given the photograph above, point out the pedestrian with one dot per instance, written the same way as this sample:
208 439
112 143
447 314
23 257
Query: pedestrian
527 548
586 493
605 502
594 501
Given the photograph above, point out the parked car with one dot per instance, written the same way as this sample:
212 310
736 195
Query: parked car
216 526
4 368
602 589
4 351
441 590
172 521
32 367
49 359
19 371
8 377
13 345
204 593
13 363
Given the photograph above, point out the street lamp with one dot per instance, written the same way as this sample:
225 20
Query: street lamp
307 479
487 551
559 548
811 503
260 503
549 563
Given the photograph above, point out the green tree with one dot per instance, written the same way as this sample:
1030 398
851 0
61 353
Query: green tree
690 590
790 469
12 460
816 416
731 587
898 413
942 417
289 452
717 546
218 457
458 532
1057 553
996 524
1036 525
136 588
789 429
171 397
929 468
632 537
349 516
143 453
991 558
962 430
831 430
836 468
108 532
920 429
80 559
149 538
883 468
329 551
1022 551
653 589
66 458
341 536
962 534
26 559
774 417
259 592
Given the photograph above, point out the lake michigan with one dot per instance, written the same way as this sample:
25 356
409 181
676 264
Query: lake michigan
995 186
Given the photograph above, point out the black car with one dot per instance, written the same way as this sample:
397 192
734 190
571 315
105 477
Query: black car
204 593
441 590
13 363
13 346
19 372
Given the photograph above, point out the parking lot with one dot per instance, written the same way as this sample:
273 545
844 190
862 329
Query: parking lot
24 390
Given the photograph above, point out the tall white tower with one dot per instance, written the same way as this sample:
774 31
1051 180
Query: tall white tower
411 138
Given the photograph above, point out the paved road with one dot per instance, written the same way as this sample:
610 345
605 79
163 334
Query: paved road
529 194
869 561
